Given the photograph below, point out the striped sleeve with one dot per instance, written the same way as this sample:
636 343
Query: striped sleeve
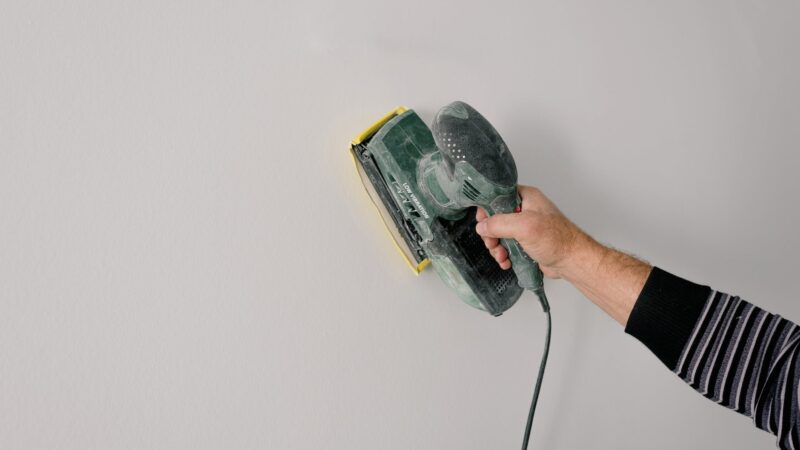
728 350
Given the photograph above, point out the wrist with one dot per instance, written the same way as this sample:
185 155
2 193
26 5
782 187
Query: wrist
584 257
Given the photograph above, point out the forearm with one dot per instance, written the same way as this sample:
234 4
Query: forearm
609 278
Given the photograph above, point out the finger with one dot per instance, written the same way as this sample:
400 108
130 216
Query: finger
499 253
480 214
505 265
502 226
490 242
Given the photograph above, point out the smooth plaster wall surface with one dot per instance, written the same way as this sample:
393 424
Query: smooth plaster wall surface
187 260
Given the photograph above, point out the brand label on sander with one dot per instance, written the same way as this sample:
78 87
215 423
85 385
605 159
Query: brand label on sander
414 207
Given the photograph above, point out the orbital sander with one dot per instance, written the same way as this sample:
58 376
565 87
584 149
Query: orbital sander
427 183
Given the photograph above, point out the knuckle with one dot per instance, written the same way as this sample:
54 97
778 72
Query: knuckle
530 191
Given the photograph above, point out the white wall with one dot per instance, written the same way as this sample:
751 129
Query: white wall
187 260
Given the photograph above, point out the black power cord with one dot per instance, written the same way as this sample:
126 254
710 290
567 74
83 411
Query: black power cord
546 307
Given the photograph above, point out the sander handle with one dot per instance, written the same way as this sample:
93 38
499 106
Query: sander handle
529 275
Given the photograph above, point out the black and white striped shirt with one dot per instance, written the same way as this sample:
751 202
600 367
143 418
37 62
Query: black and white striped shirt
727 349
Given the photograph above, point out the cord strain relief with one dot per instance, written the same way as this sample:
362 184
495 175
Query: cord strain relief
542 299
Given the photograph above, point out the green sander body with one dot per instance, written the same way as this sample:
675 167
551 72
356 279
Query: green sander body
431 181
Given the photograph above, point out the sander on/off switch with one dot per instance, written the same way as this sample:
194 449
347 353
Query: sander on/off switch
427 183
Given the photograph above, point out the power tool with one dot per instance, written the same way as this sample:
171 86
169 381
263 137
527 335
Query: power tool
427 184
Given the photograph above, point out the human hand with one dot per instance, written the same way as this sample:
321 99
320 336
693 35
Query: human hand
544 232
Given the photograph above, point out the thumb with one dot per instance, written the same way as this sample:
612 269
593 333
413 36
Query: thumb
502 226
